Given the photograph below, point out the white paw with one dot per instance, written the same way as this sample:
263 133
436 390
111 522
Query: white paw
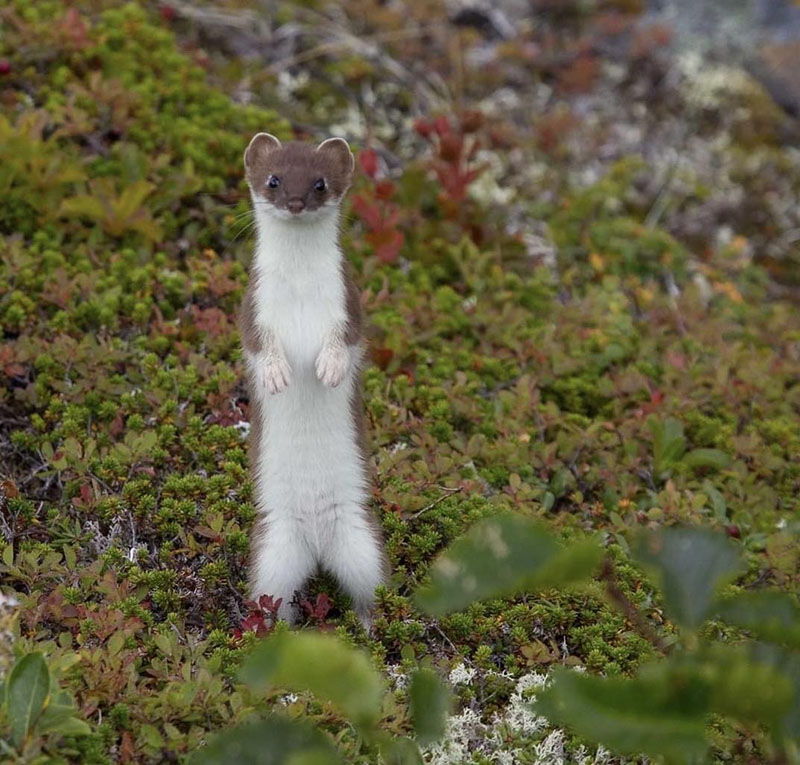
275 376
331 365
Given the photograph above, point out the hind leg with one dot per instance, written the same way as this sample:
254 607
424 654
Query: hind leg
280 562
356 558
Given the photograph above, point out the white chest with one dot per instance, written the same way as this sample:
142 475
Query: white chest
300 294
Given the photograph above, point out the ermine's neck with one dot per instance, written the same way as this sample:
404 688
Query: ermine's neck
297 247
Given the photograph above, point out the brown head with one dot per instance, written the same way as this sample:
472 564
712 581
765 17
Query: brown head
295 180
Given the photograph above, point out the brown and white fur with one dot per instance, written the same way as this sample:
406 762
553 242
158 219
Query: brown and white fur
303 345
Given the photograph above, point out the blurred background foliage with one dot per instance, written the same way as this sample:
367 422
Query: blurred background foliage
575 225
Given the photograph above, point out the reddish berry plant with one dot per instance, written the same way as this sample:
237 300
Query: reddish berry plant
317 611
455 147
261 616
376 210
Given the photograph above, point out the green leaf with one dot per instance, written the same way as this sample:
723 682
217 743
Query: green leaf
399 750
742 684
83 206
706 458
26 692
690 564
429 700
772 616
324 665
787 664
717 501
629 716
274 741
61 719
501 556
669 444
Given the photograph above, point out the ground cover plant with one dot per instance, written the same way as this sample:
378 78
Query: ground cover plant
564 327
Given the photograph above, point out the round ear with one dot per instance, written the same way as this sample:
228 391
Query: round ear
339 152
260 145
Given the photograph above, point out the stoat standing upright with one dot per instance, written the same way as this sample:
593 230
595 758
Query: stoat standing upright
303 346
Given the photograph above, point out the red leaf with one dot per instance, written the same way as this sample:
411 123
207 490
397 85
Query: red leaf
268 604
368 212
318 610
368 160
75 28
167 12
451 147
471 120
255 623
441 126
387 253
423 127
382 357
9 488
127 750
384 190
387 243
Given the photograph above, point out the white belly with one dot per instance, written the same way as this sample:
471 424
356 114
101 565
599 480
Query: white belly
311 468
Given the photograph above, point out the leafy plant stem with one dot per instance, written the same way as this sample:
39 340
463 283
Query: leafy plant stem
632 614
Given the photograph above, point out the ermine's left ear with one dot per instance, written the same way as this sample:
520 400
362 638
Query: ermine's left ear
339 152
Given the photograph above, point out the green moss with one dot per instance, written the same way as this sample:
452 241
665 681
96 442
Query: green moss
499 385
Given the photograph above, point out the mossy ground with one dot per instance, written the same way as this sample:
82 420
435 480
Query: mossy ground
502 378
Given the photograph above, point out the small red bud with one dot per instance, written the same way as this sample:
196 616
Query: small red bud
733 531
5 66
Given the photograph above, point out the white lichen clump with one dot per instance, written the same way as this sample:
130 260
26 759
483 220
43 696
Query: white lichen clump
514 736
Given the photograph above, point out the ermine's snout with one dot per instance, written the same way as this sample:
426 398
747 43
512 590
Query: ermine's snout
296 205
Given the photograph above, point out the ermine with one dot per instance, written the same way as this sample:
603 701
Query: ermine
301 329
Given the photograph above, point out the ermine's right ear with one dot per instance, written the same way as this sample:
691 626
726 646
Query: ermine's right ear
261 145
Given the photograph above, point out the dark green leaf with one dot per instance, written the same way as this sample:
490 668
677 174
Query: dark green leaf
690 564
26 693
500 556
771 616
274 741
322 664
429 699
630 716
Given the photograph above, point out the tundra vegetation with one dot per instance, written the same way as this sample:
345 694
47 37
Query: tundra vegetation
580 270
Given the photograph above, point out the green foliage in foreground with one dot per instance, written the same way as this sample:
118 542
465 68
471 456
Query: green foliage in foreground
580 394
663 710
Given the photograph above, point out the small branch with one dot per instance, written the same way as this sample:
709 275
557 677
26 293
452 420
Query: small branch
632 614
449 493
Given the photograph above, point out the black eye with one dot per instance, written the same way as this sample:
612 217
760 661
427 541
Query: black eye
320 185
273 182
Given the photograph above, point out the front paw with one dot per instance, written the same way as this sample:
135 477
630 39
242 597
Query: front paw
331 365
275 376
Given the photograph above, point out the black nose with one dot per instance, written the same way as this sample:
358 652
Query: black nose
296 205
